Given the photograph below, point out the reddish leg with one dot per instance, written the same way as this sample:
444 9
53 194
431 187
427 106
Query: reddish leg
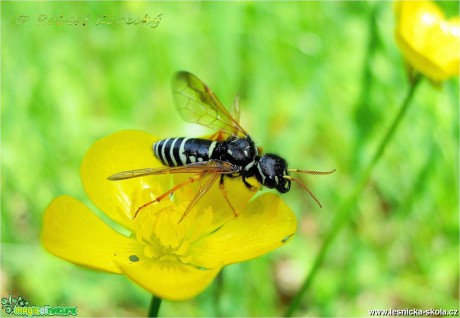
222 188
218 136
190 180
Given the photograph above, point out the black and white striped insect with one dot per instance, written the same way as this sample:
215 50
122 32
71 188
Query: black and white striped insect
230 152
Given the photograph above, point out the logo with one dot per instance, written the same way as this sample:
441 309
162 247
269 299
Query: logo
19 307
9 304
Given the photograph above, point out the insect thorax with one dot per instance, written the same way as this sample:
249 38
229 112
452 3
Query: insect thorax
239 151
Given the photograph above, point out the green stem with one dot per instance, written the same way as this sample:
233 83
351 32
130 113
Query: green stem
154 306
347 207
219 285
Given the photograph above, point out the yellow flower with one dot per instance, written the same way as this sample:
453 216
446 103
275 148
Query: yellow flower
171 260
429 42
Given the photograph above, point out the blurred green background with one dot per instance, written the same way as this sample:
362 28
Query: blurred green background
319 83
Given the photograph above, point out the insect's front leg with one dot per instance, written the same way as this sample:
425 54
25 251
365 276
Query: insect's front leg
250 186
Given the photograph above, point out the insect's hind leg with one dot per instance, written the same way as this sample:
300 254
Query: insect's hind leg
190 180
222 188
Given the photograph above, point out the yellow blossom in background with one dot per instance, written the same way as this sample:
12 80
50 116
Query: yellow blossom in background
429 42
169 259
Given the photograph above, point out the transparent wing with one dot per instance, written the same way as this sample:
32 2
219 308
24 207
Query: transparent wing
197 103
235 110
212 166
211 178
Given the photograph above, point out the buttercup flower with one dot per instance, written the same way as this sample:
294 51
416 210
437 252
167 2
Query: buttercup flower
429 42
171 260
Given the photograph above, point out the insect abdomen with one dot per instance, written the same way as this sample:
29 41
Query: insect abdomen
174 152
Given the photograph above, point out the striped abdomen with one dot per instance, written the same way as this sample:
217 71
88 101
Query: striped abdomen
175 152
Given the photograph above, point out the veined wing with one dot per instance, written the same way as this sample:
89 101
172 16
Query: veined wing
210 180
197 103
211 166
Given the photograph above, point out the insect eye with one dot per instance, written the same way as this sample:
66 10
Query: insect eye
284 185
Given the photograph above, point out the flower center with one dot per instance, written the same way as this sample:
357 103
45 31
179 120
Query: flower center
168 240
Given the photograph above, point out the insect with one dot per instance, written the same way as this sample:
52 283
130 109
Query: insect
230 152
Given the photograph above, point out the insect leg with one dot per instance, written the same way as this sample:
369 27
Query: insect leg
222 188
190 180
250 186
203 189
218 136
247 184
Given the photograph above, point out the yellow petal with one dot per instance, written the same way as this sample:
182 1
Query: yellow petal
266 224
71 231
170 280
122 151
429 42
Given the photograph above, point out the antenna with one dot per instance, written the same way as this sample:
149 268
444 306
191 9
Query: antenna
303 185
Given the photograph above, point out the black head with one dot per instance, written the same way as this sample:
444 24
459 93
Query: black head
240 151
271 171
